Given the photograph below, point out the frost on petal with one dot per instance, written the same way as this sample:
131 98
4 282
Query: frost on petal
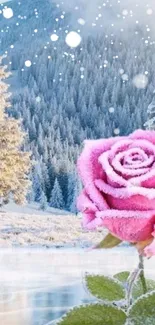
84 204
124 192
90 222
146 135
89 209
115 178
132 226
90 169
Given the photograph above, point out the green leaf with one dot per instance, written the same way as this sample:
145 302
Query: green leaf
105 288
94 315
122 276
143 310
109 241
138 287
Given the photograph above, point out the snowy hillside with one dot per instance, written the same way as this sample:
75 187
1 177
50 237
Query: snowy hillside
65 95
28 226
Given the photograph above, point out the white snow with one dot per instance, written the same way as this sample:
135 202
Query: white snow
29 226
81 21
140 81
54 37
111 109
73 39
7 13
149 11
28 63
3 1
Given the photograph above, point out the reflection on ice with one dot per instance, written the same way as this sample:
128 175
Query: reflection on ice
38 287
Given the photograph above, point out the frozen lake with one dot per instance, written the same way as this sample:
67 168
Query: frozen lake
38 286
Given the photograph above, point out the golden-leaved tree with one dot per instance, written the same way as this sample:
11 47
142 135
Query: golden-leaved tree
14 163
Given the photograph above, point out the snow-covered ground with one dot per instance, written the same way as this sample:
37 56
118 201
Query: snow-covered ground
3 1
29 226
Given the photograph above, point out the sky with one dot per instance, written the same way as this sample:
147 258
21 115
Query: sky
120 13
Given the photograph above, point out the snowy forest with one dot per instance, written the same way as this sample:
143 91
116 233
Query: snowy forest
65 95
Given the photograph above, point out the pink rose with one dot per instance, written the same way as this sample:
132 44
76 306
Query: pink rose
118 175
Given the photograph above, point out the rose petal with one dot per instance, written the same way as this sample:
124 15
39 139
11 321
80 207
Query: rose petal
90 222
115 179
132 226
84 204
125 171
135 202
146 179
145 145
135 152
120 146
146 135
126 192
89 168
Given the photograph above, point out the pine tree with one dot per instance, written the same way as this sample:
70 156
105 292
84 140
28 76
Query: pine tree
36 182
150 124
76 192
56 200
14 163
70 191
43 202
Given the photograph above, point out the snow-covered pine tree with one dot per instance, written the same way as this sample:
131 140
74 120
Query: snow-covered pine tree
150 124
43 202
76 192
36 183
14 163
70 191
56 200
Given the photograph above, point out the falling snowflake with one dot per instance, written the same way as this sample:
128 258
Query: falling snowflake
7 13
117 131
140 81
149 11
73 39
111 109
125 77
28 63
38 99
54 37
81 21
125 12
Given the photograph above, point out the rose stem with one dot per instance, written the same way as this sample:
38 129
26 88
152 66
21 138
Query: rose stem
139 271
142 276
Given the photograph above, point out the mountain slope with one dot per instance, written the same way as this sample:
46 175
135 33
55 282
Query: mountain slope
67 95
